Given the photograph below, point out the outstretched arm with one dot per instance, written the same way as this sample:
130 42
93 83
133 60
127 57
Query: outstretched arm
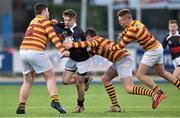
52 35
126 38
81 44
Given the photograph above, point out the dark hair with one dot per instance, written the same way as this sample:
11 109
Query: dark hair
91 32
69 12
39 7
173 21
123 12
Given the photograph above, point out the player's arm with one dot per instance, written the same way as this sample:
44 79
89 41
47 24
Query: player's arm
82 44
52 35
126 38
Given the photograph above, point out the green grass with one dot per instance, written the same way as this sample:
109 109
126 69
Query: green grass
96 102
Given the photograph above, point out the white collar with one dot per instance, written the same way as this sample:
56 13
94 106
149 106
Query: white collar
73 27
177 33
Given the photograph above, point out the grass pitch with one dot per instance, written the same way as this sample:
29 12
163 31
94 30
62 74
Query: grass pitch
96 102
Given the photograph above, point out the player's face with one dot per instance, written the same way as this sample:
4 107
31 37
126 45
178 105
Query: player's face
46 13
123 21
173 28
69 22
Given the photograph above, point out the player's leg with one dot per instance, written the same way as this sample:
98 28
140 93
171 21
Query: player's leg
24 92
80 91
143 77
28 76
167 75
149 59
177 72
68 77
82 69
124 69
52 89
42 64
110 74
70 68
87 82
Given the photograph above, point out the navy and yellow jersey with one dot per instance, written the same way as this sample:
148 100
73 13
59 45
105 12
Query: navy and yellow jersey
138 33
38 34
97 47
75 34
174 44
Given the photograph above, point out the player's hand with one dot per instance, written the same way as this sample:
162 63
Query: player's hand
54 21
66 54
67 45
63 35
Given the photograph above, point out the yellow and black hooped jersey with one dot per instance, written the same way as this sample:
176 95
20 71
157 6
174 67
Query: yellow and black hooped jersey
38 34
97 47
138 33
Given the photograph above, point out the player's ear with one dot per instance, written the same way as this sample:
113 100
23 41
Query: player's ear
87 37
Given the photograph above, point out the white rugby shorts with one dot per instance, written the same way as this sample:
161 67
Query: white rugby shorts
124 67
154 56
176 62
34 60
80 67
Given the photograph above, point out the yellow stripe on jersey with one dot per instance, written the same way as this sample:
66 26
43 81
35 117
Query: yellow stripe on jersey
138 33
98 44
38 33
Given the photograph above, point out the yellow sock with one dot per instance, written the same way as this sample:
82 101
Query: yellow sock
177 84
112 94
138 90
54 98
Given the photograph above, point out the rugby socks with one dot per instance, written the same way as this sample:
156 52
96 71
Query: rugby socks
22 105
156 89
80 103
177 84
54 98
112 94
138 90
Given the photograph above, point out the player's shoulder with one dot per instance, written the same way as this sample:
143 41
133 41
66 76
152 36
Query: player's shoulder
43 20
138 24
167 37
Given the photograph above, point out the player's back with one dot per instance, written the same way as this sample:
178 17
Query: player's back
138 32
36 37
113 56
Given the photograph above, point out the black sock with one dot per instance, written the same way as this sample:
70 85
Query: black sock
80 103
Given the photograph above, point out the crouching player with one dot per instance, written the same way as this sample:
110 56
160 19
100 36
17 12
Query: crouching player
122 67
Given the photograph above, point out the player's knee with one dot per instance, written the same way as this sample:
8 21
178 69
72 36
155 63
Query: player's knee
65 82
105 80
161 73
140 74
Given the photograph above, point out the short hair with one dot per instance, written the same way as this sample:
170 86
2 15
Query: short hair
90 31
69 12
123 12
39 7
173 21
